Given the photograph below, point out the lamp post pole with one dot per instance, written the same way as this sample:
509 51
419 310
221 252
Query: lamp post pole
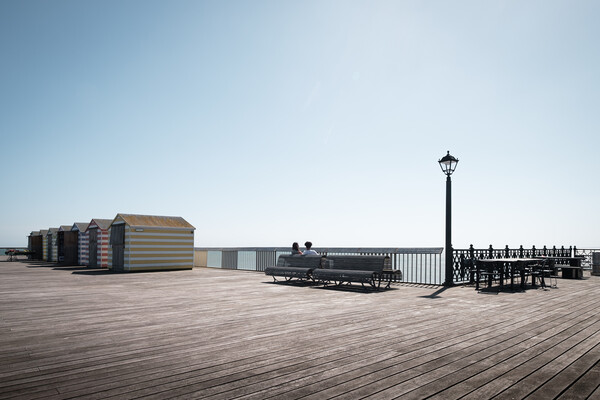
449 262
448 164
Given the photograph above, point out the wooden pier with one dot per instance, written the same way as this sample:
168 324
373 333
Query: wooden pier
72 332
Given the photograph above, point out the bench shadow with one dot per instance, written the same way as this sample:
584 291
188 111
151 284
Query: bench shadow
354 288
319 285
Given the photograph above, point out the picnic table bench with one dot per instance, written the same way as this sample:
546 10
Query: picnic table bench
348 269
13 253
297 266
570 267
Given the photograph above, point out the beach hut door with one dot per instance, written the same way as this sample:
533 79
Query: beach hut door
93 247
61 246
117 241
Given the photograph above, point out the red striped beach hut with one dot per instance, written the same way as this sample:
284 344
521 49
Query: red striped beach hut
98 242
83 249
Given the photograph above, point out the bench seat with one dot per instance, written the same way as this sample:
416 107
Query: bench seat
348 269
344 275
290 267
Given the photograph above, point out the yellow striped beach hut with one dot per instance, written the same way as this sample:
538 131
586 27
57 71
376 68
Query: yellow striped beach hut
150 242
44 233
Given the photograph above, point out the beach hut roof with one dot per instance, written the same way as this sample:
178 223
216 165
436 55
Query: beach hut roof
103 224
44 232
52 231
80 226
153 221
64 228
35 233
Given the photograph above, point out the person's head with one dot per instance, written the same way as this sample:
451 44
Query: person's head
308 245
295 246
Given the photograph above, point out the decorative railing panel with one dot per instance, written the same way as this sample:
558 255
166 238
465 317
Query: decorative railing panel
587 256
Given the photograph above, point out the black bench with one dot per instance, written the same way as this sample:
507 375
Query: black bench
299 267
570 271
348 269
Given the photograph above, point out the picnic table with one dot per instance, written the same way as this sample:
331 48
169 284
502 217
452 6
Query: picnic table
13 253
505 268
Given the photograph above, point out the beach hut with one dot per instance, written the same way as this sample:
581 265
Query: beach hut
44 233
66 245
52 236
98 242
35 245
83 249
148 242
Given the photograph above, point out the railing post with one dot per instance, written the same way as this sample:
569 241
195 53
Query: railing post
506 252
471 251
521 251
533 251
491 252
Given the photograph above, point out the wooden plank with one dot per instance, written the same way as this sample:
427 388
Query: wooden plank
578 380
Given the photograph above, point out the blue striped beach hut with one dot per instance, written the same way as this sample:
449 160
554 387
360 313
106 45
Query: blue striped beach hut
82 242
51 245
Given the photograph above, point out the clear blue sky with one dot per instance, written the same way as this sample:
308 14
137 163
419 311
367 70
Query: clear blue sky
268 122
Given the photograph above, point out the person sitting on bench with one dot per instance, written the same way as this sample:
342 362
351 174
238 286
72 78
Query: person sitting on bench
296 249
309 251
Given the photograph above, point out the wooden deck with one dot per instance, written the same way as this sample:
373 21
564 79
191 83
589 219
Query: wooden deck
218 334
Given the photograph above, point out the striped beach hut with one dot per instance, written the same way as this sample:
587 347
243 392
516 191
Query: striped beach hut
52 251
66 245
35 245
83 249
148 242
44 233
98 242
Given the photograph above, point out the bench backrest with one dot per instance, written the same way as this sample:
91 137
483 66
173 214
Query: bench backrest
300 261
359 263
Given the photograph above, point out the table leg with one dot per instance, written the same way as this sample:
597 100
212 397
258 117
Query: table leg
512 276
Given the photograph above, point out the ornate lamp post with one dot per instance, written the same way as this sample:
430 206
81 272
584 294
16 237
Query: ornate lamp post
448 164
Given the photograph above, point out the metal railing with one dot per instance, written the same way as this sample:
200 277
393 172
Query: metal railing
421 265
587 256
462 275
